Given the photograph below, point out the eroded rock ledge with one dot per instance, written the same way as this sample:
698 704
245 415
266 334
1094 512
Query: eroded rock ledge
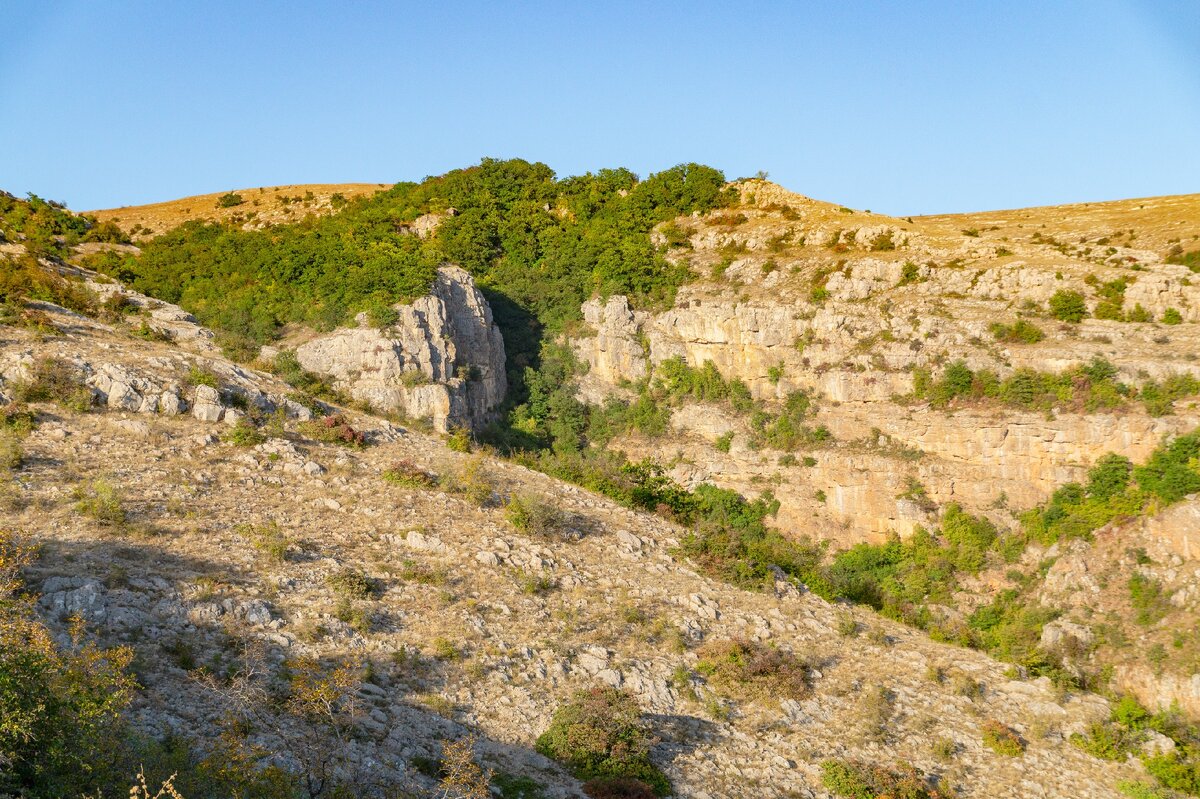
441 359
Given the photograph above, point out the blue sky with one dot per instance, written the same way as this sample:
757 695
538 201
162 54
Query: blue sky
919 106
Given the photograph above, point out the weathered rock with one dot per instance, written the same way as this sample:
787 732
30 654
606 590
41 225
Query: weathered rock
442 360
70 596
206 404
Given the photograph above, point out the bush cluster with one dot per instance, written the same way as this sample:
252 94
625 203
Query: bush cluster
1019 332
1089 388
600 735
334 430
1002 739
535 516
741 667
55 380
854 780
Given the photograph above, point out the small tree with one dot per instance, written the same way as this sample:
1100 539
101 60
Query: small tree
312 725
1068 306
600 734
60 707
463 777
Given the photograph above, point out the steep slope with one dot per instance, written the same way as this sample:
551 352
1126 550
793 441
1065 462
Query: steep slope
849 307
199 543
895 367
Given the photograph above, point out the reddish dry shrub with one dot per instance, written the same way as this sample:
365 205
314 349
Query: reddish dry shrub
749 668
335 430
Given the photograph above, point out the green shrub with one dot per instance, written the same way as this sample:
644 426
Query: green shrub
600 734
1191 260
1149 601
1068 306
511 786
535 516
883 242
244 434
1177 770
730 540
1139 314
381 315
333 430
1159 398
1108 741
55 380
618 788
230 200
909 273
102 502
1140 790
1170 472
24 280
473 481
353 584
414 572
268 539
358 618
1171 316
12 453
854 780
1019 332
459 440
724 442
1002 740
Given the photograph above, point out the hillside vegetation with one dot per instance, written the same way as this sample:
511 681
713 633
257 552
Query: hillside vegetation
761 376
540 246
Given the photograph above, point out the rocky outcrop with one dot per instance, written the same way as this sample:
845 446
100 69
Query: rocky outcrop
855 364
442 359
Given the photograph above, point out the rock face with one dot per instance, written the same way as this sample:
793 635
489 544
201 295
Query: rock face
442 359
973 457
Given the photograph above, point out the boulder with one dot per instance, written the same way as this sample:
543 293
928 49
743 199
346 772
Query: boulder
443 358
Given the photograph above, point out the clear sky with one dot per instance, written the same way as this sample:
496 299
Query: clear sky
906 106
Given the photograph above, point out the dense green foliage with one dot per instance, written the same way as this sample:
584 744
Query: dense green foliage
908 580
537 245
1125 732
600 734
675 382
46 226
1068 306
46 229
1116 489
1089 388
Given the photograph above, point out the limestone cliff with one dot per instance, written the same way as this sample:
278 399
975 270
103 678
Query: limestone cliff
794 294
441 359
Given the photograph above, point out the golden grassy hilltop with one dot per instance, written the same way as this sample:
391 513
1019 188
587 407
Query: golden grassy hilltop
1144 222
258 207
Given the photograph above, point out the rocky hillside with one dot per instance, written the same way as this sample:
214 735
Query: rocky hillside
981 360
186 507
790 412
852 307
